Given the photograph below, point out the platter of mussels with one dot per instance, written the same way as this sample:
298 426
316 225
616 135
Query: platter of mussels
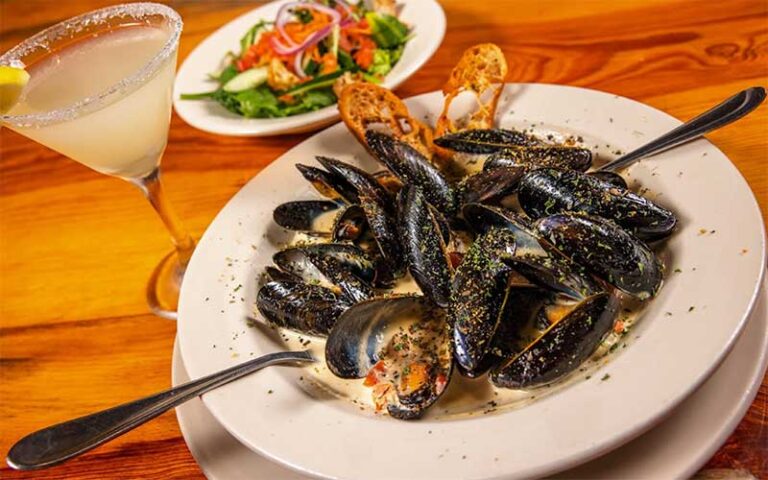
474 272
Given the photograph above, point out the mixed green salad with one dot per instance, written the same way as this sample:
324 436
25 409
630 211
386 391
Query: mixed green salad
299 62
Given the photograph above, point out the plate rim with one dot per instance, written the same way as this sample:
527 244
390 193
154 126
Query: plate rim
178 373
639 426
310 120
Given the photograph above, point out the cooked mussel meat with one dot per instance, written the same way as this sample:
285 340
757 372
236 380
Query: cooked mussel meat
350 224
547 191
400 345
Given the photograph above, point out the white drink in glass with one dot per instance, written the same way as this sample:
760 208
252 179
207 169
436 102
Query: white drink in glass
125 138
100 93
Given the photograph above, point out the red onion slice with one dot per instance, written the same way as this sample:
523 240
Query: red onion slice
297 61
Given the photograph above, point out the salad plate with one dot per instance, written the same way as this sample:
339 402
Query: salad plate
425 19
682 337
675 449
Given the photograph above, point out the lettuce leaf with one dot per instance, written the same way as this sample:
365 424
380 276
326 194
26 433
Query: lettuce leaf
262 103
388 31
382 62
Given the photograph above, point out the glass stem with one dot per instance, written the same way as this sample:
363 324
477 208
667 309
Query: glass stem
153 190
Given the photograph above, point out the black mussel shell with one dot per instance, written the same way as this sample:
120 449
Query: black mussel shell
412 168
606 250
328 184
539 262
309 309
572 158
610 177
313 217
489 186
315 267
562 347
424 247
362 181
521 310
274 274
379 209
481 141
478 298
400 342
547 191
351 256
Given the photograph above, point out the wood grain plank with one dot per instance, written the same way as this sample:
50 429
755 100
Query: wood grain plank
76 248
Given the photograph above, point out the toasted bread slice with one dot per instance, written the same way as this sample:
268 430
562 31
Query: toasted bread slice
364 104
481 67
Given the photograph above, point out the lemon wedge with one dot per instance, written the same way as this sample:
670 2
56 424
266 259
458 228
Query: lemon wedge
12 83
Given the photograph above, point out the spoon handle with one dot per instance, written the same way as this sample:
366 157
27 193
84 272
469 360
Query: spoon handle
729 111
58 443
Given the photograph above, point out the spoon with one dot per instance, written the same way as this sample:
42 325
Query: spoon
728 111
58 443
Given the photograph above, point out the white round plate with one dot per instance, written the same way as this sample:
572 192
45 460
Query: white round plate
676 448
715 265
426 17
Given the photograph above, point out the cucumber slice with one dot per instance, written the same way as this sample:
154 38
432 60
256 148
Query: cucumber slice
246 80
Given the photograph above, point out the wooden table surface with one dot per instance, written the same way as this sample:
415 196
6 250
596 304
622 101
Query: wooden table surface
77 247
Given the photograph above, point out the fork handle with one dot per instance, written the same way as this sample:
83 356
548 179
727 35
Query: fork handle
729 111
58 443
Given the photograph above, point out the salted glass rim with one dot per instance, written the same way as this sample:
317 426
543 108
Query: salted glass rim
70 27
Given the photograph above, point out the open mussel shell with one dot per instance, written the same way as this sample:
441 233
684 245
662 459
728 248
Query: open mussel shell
401 345
606 250
489 186
412 168
547 191
299 306
481 141
539 262
315 266
329 184
379 208
274 274
350 224
521 310
562 347
424 247
479 297
363 182
572 158
314 217
355 260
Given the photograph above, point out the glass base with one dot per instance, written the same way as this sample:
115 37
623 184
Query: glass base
164 286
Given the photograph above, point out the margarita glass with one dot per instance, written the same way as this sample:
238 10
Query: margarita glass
100 93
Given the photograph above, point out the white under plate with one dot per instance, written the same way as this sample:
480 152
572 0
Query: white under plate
674 449
426 18
715 261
